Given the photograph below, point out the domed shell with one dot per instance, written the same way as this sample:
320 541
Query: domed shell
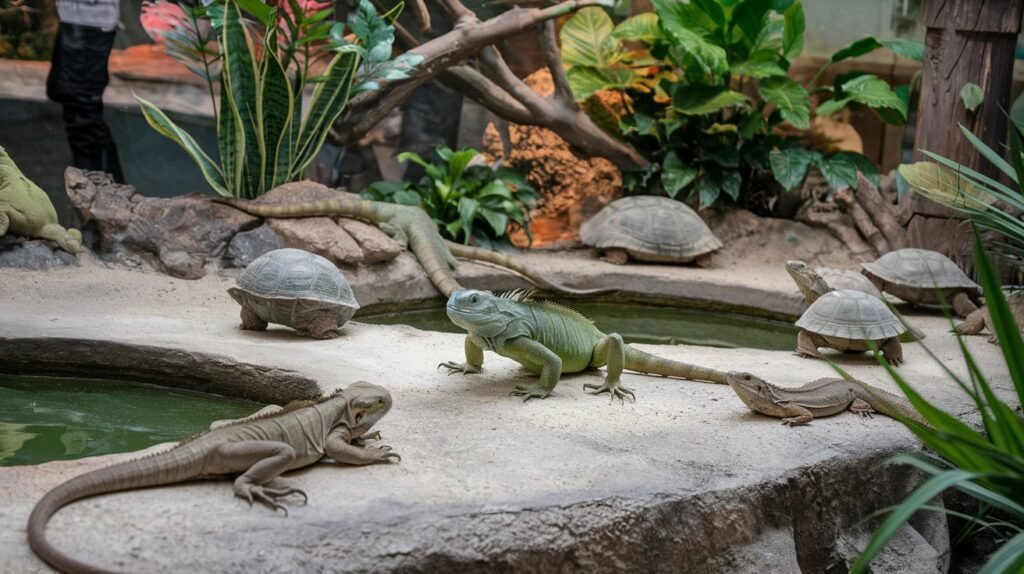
847 279
851 314
920 268
291 274
651 228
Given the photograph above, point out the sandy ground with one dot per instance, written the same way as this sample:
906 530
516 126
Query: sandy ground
487 482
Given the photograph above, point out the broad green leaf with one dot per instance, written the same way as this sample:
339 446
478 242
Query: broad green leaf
943 185
760 64
709 56
467 212
838 170
497 221
263 12
732 181
858 48
793 31
790 98
972 96
750 17
906 48
167 128
458 161
274 106
789 165
700 100
832 106
229 134
876 94
709 187
701 16
587 39
675 175
642 27
586 81
864 166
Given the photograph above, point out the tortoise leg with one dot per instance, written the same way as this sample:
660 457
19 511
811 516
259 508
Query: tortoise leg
973 324
705 261
892 350
616 256
251 321
323 327
807 345
962 305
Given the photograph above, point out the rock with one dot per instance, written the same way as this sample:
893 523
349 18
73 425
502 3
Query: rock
377 247
348 242
248 245
322 236
184 233
32 253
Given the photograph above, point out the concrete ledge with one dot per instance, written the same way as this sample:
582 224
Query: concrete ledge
190 370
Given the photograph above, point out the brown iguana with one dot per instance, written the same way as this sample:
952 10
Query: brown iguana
548 339
260 448
26 210
410 226
821 398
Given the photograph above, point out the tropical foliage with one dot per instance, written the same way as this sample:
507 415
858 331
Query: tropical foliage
261 58
701 87
980 197
986 464
469 200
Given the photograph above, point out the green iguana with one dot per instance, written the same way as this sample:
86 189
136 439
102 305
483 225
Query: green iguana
26 210
410 226
548 339
260 447
821 398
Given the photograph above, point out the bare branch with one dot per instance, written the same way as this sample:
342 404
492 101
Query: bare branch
553 60
421 14
475 86
505 78
457 11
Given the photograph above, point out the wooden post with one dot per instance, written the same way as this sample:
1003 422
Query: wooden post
967 41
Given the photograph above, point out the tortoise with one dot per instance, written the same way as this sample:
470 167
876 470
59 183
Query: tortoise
296 288
650 228
921 276
981 319
846 320
847 279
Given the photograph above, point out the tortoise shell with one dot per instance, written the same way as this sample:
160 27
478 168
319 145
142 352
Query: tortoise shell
650 228
851 314
915 274
292 287
847 279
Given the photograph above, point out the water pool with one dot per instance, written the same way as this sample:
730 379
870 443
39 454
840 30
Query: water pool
637 323
44 419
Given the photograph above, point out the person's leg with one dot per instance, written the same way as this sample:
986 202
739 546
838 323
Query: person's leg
77 79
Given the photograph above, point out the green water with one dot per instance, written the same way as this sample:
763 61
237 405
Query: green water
44 419
639 323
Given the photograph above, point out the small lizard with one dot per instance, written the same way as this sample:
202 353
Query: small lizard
821 398
260 447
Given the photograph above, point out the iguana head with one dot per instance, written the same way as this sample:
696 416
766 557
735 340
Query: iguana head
366 404
751 389
479 312
810 283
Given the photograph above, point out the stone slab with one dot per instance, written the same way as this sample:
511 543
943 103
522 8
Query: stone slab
684 479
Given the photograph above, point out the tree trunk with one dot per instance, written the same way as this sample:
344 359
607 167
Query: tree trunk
967 41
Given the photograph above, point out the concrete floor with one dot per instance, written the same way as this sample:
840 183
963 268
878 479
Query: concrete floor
684 479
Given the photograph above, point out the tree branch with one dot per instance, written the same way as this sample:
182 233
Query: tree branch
477 87
553 60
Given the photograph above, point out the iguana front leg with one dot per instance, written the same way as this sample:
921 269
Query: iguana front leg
537 358
261 462
394 232
613 350
474 360
341 447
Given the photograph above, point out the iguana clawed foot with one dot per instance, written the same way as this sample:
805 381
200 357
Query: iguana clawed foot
361 441
382 453
535 391
464 368
613 388
268 494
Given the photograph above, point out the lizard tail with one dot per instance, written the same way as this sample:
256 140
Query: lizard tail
500 259
139 473
889 404
637 360
326 207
